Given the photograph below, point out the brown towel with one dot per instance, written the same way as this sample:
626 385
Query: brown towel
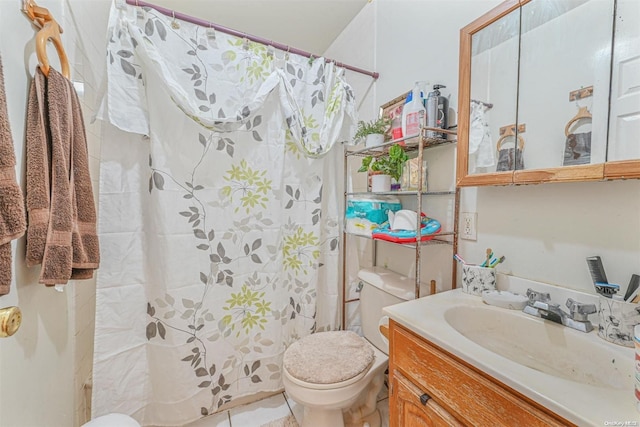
12 217
62 217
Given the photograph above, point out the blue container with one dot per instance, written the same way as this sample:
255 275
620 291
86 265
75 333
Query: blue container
372 209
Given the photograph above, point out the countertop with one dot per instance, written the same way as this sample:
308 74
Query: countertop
582 404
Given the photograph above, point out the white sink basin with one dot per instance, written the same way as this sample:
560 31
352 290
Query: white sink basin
542 345
577 375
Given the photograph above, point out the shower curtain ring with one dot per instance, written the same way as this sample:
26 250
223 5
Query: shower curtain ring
174 23
211 32
139 11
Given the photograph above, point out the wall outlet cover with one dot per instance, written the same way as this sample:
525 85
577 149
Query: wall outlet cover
468 222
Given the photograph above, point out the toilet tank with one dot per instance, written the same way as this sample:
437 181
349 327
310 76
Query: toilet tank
381 288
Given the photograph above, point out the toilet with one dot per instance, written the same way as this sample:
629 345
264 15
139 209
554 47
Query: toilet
112 420
337 375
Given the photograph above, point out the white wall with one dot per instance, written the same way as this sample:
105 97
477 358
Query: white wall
43 366
545 231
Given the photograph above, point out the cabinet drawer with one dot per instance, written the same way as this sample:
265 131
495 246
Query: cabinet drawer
473 397
409 408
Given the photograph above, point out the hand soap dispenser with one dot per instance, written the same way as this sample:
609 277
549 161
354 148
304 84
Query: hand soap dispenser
437 112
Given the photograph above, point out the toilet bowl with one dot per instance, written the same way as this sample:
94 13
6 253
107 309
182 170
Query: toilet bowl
112 420
337 375
325 404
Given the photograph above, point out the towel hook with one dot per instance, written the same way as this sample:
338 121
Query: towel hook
49 30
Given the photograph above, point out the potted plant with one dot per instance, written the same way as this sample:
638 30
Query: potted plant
383 168
373 131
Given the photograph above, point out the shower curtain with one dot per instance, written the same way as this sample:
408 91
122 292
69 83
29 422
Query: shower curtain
219 215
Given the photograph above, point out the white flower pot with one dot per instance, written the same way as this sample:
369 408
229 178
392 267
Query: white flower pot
374 140
380 183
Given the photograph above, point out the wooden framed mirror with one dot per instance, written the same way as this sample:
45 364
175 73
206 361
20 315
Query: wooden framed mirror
559 76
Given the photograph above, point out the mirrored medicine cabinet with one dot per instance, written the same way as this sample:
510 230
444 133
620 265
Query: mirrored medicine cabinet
549 91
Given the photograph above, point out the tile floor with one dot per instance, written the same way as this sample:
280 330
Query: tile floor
272 408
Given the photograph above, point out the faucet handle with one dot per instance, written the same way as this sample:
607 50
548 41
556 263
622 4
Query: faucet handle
537 296
546 306
580 311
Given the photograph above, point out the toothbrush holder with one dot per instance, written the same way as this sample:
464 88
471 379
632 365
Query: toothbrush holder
617 320
476 279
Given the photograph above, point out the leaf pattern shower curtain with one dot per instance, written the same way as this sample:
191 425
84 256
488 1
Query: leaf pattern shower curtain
220 227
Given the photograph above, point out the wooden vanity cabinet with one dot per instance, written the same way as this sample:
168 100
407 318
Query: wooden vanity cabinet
430 387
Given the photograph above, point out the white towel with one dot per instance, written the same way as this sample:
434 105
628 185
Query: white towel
480 137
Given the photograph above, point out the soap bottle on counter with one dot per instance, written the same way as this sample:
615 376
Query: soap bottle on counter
413 111
437 112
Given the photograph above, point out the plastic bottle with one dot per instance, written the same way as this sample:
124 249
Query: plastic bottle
396 127
437 112
413 112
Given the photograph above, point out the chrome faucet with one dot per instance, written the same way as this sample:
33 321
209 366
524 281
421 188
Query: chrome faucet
540 305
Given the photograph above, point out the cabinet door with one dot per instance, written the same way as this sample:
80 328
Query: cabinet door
561 130
472 396
408 409
624 129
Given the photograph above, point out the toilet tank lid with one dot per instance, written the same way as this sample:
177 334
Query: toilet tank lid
388 281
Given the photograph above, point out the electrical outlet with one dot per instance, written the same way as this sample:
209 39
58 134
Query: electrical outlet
468 225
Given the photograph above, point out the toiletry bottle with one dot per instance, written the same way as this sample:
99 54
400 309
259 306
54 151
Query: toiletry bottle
396 126
413 112
437 111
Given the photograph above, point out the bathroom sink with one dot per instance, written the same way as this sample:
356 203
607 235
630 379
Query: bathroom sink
579 376
541 345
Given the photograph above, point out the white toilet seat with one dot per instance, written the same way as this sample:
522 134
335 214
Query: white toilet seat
324 403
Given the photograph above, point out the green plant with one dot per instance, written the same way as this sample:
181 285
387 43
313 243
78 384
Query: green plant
390 164
372 127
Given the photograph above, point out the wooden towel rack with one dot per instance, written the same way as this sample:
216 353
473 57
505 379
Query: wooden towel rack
583 113
49 30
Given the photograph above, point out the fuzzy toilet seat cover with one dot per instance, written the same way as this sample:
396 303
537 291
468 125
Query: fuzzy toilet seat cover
328 357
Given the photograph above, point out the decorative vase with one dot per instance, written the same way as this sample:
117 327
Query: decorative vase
374 140
380 183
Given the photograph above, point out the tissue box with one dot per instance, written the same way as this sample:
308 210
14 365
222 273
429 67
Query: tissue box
364 214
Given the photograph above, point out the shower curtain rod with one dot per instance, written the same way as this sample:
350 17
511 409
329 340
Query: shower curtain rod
280 46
